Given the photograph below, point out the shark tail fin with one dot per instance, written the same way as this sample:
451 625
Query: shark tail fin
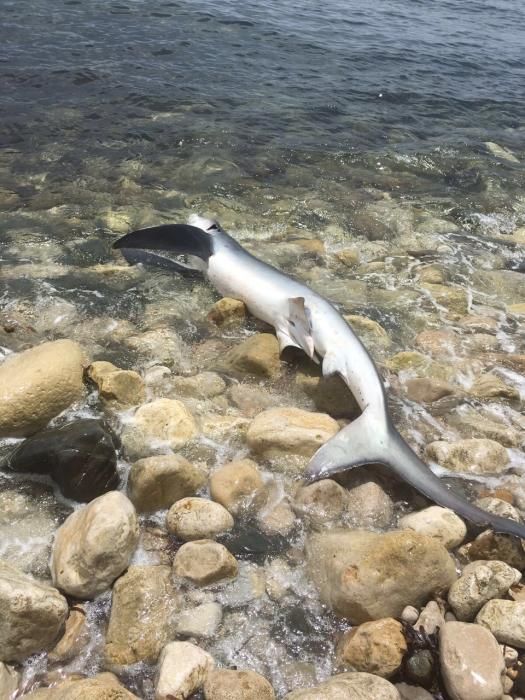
372 439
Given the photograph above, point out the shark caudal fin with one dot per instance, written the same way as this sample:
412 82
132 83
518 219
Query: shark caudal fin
175 239
373 439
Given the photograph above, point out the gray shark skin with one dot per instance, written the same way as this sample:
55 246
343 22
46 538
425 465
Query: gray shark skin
304 319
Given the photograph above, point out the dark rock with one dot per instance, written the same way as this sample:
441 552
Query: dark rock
79 456
420 668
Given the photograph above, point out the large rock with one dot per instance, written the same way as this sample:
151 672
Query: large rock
79 456
348 686
183 669
32 615
142 617
472 664
95 545
374 647
38 384
222 684
278 432
197 519
155 483
506 620
440 523
366 576
369 506
471 456
161 424
204 562
104 686
490 386
238 486
480 582
258 355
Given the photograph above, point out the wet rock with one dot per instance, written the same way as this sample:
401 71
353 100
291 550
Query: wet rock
374 647
204 562
227 311
95 545
369 506
471 424
498 506
471 456
183 669
427 390
480 582
258 355
348 256
251 400
407 360
490 386
75 637
156 426
329 394
32 615
120 386
200 386
202 621
277 519
413 692
104 686
440 523
79 456
370 332
431 275
420 668
9 679
495 546
155 483
162 346
471 662
366 576
441 343
348 686
142 619
38 384
224 427
506 620
238 486
197 519
431 618
321 503
284 431
222 684
452 298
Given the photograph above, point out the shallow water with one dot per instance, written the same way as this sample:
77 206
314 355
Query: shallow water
363 128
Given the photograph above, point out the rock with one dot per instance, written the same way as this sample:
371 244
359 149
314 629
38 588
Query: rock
440 523
441 343
94 546
104 686
348 686
156 426
9 679
518 309
370 332
121 386
197 518
321 503
162 346
368 506
490 386
374 647
329 394
471 424
494 546
366 576
204 562
183 669
222 428
348 256
251 400
227 311
32 615
202 621
410 614
427 390
420 668
498 506
200 386
38 384
142 619
74 639
506 620
452 298
431 275
258 355
222 684
284 431
413 692
407 360
480 582
471 456
471 662
155 483
79 456
277 520
431 618
238 486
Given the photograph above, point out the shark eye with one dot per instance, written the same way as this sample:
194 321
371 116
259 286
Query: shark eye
213 227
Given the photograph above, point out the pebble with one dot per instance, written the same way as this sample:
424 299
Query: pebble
471 662
222 684
202 621
374 647
94 545
182 670
118 386
440 523
431 618
197 518
470 456
413 692
204 562
479 582
420 668
227 311
155 483
410 614
238 486
506 620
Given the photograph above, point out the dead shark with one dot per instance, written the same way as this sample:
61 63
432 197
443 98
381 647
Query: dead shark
304 319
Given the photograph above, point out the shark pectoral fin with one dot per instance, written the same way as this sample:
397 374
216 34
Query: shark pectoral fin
144 257
285 341
300 325
358 443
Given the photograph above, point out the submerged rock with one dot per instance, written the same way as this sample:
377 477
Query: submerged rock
104 686
366 576
95 545
238 486
222 684
348 686
38 384
258 355
202 621
227 311
79 456
32 615
183 669
474 455
374 647
75 638
321 503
